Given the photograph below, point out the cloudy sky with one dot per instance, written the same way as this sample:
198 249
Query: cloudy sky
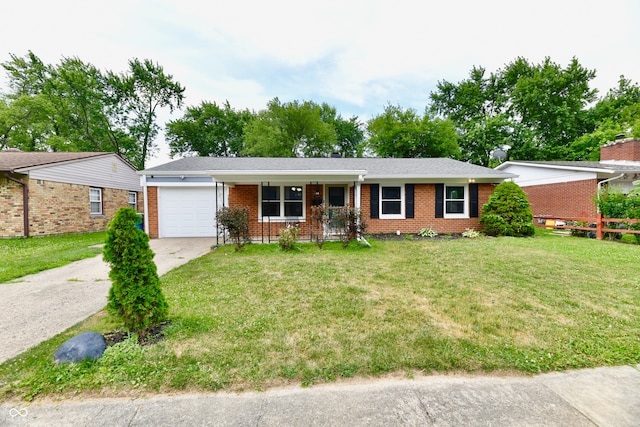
353 54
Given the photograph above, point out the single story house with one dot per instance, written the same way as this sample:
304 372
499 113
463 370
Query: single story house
393 195
56 193
568 189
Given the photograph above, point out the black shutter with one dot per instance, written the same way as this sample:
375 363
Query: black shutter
439 200
473 200
375 201
409 190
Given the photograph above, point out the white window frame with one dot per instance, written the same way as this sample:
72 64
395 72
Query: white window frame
402 201
133 204
282 217
465 200
93 192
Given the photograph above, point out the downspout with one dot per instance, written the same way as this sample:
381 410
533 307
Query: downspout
604 182
599 222
143 181
25 202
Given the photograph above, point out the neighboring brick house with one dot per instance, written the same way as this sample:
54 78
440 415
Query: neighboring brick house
394 195
56 193
568 189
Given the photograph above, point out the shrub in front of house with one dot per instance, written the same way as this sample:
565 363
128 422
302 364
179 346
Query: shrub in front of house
507 212
349 223
235 221
135 295
288 237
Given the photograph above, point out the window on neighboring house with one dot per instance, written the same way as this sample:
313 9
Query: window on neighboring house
95 200
133 199
392 202
286 201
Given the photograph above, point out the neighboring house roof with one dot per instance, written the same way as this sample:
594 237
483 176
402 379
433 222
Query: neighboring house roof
373 168
22 161
608 167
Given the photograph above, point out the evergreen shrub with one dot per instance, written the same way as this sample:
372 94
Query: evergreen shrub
135 295
507 212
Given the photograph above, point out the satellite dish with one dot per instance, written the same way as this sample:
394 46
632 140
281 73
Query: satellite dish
498 154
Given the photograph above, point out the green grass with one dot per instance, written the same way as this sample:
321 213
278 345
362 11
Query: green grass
262 317
21 257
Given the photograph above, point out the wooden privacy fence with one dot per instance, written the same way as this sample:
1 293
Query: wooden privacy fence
599 224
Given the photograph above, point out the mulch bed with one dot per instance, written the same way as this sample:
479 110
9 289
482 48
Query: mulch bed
155 335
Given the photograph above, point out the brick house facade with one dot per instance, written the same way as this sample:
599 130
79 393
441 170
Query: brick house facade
569 189
409 194
58 201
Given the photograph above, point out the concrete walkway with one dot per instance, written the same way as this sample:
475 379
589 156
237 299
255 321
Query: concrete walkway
593 397
40 306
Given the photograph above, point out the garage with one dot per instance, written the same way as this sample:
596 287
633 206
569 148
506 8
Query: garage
187 212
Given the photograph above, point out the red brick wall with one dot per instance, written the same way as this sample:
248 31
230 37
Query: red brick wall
247 196
623 150
56 208
152 215
424 214
568 199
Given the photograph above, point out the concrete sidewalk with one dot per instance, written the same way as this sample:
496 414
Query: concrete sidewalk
592 397
40 306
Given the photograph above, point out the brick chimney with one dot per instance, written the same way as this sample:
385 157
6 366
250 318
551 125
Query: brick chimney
624 149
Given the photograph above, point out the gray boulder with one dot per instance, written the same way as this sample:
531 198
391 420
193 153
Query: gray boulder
87 345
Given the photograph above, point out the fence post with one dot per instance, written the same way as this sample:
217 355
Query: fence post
599 227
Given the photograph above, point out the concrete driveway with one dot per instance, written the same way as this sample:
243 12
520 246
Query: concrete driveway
40 306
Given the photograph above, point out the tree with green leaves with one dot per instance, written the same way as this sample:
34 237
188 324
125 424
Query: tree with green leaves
141 92
291 129
617 113
535 109
135 295
399 132
208 130
73 106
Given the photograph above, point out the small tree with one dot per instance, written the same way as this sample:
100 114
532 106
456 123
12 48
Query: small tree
235 221
319 219
135 295
507 213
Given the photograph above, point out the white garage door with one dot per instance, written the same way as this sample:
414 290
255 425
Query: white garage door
187 212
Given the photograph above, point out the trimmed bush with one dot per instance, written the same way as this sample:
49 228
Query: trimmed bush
235 221
507 213
135 295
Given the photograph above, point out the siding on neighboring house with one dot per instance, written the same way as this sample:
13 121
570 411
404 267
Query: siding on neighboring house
568 199
103 172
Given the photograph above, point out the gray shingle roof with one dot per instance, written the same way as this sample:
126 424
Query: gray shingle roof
19 160
374 167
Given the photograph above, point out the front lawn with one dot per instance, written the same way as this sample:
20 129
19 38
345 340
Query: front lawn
21 257
262 317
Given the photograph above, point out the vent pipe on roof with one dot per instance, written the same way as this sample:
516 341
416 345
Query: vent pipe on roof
25 202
